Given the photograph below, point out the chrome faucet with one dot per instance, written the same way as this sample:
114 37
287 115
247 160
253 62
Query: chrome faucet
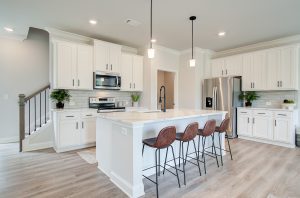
160 98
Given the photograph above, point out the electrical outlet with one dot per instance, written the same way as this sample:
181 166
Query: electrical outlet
268 103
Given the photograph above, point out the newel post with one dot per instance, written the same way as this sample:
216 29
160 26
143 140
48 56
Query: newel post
21 120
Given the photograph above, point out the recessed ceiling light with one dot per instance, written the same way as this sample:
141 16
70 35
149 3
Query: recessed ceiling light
221 34
8 29
93 22
153 40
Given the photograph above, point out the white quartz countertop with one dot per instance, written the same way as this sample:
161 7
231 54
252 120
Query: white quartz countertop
266 108
156 116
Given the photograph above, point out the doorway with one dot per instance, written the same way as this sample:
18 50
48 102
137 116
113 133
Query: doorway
167 79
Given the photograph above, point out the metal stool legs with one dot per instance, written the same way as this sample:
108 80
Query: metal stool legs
220 147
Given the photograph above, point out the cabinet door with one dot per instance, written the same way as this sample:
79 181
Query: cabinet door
247 72
88 130
69 133
137 73
84 67
65 65
262 127
259 70
126 72
244 126
114 58
273 63
282 130
287 70
218 67
234 65
101 56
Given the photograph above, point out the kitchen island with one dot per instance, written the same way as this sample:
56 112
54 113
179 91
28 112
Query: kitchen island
119 138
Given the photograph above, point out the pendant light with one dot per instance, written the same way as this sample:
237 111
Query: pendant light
192 61
151 51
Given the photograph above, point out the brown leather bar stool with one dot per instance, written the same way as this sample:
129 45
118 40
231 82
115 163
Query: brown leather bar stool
208 130
187 136
223 129
164 140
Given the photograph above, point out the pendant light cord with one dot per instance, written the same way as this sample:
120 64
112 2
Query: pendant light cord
192 39
151 25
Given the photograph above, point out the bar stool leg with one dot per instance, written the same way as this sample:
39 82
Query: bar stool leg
179 153
187 151
197 157
220 145
183 164
203 150
226 136
156 176
175 165
199 146
213 144
165 160
143 149
158 162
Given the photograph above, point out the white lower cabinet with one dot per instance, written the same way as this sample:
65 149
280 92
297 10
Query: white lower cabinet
74 129
268 126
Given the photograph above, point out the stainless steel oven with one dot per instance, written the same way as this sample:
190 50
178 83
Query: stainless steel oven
104 80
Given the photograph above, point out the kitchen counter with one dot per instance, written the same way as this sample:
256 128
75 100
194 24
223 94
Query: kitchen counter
119 137
267 108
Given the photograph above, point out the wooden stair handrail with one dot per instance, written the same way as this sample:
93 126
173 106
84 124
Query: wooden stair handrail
36 93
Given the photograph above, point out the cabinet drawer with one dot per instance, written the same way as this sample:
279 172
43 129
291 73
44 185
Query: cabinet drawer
88 114
282 114
69 116
261 113
244 111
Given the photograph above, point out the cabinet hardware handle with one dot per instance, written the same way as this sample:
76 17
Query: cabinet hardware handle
277 83
78 82
275 123
243 112
226 71
130 85
88 115
280 83
70 116
106 66
73 82
253 120
253 85
133 85
76 125
82 125
110 66
248 120
222 72
282 114
262 113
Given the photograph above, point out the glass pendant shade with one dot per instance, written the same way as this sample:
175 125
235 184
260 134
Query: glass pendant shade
192 62
151 53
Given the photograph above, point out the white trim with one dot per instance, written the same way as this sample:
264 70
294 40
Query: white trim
259 46
70 148
37 146
267 141
59 34
9 140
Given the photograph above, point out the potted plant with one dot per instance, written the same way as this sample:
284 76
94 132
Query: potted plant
288 104
60 96
135 99
248 96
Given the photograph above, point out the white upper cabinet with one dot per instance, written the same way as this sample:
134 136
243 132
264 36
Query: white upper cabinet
229 66
107 57
72 65
132 72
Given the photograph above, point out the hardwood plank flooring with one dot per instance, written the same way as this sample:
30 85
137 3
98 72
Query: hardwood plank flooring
258 170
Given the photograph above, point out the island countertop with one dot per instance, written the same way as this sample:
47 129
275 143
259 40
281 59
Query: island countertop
156 116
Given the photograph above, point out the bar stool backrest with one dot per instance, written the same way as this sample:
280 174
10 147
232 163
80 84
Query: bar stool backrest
165 137
224 125
209 128
190 132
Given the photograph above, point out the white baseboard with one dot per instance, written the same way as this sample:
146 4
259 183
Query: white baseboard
38 146
9 140
267 141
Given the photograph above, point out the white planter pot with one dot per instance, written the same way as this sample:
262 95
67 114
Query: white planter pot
135 104
288 106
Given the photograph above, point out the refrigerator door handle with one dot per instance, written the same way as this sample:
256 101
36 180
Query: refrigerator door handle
215 98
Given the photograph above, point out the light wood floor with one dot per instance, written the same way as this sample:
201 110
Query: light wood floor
258 170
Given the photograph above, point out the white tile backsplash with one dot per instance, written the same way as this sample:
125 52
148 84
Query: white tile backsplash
274 98
80 98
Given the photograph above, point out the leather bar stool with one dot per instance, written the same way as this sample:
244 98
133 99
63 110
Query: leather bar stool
207 131
187 136
223 129
164 140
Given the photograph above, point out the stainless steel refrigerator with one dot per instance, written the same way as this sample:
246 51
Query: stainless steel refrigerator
223 94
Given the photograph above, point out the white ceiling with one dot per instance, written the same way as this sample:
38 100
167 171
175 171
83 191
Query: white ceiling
245 21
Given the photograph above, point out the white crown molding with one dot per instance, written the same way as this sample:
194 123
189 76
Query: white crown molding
59 34
259 46
161 48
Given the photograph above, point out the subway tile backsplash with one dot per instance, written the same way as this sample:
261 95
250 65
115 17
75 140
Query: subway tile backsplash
275 98
80 98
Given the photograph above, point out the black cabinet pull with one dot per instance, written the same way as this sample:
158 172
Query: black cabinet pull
248 120
76 125
281 114
110 66
277 83
275 123
106 66
73 83
70 116
89 115
82 125
262 113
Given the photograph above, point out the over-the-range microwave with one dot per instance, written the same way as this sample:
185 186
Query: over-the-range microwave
104 80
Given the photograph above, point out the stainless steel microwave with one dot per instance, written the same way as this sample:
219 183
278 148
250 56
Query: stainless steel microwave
104 80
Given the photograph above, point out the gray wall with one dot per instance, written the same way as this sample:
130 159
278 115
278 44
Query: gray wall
24 68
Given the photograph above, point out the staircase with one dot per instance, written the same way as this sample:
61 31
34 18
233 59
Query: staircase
35 125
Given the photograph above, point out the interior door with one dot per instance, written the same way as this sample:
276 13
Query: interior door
84 67
208 94
126 72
